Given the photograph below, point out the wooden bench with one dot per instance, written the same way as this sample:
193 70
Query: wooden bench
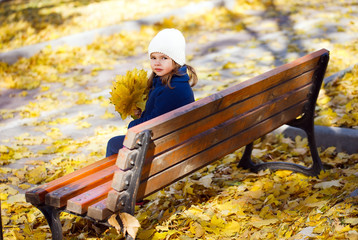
163 150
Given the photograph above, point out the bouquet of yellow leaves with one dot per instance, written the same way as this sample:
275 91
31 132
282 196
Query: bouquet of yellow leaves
129 92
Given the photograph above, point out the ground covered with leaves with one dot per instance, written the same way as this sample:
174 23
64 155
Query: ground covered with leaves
56 117
222 200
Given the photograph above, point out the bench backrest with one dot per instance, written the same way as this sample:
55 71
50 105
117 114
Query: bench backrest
197 134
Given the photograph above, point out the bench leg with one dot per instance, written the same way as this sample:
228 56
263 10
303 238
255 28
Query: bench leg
317 163
52 216
314 170
245 161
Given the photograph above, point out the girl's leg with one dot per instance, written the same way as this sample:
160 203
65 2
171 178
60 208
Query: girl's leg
114 144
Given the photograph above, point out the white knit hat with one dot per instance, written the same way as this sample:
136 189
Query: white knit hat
170 42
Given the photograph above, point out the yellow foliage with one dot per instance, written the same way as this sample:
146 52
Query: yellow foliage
129 92
338 102
37 175
26 23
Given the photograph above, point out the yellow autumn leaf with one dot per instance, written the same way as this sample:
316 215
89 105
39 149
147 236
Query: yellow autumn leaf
130 224
188 188
83 99
205 180
18 235
229 65
196 229
352 221
258 223
232 228
258 153
255 194
145 234
3 196
44 88
54 133
16 198
164 228
283 173
37 175
316 204
328 184
7 190
28 230
24 186
215 74
197 213
344 229
231 207
299 151
113 222
352 234
217 221
3 149
48 150
324 120
258 186
160 235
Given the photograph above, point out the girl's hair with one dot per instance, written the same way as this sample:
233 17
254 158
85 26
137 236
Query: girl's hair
166 79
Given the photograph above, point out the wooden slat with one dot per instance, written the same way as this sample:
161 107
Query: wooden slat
59 197
113 200
122 180
187 132
124 158
99 210
204 158
215 102
37 196
80 203
226 130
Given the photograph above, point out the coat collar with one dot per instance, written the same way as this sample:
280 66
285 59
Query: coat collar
182 76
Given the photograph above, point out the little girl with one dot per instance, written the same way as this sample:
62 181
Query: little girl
169 83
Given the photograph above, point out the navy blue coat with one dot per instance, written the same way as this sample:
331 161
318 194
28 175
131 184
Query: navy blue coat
162 99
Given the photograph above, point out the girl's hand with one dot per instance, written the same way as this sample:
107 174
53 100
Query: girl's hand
137 113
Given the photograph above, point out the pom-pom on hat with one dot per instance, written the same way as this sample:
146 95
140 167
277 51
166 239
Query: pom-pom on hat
170 42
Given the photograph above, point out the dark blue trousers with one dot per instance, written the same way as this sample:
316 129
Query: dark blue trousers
114 144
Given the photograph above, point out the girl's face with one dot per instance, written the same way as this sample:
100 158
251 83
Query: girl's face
161 64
